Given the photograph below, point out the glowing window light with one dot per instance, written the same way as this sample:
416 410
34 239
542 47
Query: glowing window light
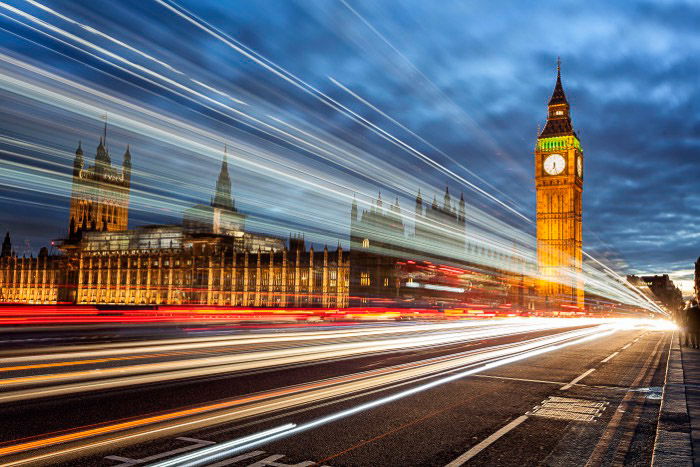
365 279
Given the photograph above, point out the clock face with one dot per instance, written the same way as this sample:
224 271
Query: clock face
554 164
579 167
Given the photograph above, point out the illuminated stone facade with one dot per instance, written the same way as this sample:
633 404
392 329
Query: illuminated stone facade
206 271
559 183
32 280
100 194
208 260
203 271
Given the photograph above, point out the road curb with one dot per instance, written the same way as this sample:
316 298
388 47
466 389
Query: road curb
673 445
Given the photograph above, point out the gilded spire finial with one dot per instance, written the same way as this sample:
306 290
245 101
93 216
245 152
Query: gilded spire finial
558 66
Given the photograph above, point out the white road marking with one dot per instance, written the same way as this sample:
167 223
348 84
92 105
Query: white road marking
577 379
486 443
525 380
233 460
195 440
271 461
123 460
197 443
624 347
609 357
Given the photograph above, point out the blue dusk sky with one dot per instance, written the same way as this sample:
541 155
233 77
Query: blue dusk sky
465 83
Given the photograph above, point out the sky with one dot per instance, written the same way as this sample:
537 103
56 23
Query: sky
319 101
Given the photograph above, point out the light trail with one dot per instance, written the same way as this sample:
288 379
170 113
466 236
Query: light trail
306 87
211 455
78 381
445 368
433 147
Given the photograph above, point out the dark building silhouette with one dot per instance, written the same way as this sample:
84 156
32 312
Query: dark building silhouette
442 225
6 246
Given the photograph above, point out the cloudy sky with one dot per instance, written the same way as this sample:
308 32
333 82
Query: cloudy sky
463 83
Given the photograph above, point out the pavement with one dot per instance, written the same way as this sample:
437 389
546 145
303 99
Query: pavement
538 398
678 434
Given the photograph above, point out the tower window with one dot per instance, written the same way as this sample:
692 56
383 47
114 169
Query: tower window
559 112
365 243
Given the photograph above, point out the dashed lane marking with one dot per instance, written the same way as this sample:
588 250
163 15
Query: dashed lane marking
524 380
461 460
562 408
609 357
577 379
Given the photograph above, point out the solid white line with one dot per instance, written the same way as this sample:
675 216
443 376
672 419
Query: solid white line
486 443
577 379
624 347
609 357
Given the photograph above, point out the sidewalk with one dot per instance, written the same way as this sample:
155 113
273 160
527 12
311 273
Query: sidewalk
678 432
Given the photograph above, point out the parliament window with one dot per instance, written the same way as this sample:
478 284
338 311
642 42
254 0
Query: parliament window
364 279
365 243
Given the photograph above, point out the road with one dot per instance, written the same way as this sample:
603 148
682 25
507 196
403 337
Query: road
489 392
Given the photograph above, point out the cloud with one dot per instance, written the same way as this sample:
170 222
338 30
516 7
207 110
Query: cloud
471 78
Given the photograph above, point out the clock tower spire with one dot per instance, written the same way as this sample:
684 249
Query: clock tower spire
559 184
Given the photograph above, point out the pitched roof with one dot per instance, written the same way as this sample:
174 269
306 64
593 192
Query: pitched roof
558 127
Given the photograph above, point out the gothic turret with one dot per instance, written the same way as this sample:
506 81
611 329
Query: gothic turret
102 159
462 213
6 247
126 166
78 162
222 197
353 210
447 201
396 207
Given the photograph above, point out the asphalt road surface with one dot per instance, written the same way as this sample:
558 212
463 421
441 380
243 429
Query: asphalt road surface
500 392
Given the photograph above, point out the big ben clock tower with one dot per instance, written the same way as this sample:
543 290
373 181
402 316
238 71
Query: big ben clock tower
559 183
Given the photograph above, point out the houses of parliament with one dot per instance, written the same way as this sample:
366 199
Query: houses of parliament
210 258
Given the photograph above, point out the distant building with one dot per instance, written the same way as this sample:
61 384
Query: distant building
443 225
662 289
100 194
209 259
427 267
